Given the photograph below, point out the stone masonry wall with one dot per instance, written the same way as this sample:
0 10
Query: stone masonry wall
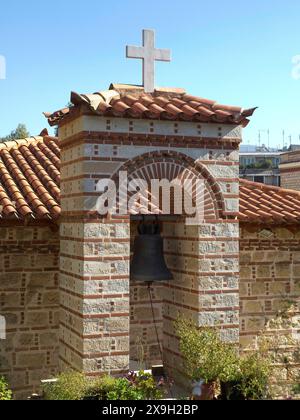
29 301
290 170
94 289
204 261
290 179
94 266
270 295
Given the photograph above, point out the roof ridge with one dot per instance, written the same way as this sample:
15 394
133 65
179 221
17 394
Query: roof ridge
12 144
118 101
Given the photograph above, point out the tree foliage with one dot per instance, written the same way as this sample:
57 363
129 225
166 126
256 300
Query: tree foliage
20 132
206 356
5 393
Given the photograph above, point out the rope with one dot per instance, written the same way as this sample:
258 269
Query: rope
157 336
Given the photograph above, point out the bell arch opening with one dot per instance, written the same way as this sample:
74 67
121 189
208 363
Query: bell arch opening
154 309
168 183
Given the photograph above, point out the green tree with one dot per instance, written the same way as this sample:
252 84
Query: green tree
5 393
20 132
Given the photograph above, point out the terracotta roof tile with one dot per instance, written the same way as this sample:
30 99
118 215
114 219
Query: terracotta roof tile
164 104
260 203
30 186
29 178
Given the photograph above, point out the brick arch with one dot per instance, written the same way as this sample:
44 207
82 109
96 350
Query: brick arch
170 165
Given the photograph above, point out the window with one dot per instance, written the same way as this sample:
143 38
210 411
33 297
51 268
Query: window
260 179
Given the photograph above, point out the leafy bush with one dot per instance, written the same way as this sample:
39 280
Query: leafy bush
75 386
206 356
140 386
70 386
255 376
210 359
296 389
99 389
5 393
123 390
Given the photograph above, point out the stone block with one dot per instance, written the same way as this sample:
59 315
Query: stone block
296 257
17 380
296 270
282 270
35 318
31 360
210 247
277 288
97 345
51 298
258 256
113 325
24 234
49 339
258 289
208 283
145 313
5 362
248 342
10 300
105 306
253 306
42 280
4 233
284 233
263 271
243 289
111 363
91 326
279 374
10 280
227 230
255 323
25 339
21 261
226 264
230 335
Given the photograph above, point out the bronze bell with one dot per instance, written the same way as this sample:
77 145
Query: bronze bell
148 263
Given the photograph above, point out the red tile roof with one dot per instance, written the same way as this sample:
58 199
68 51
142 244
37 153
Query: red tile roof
260 203
30 187
164 104
30 179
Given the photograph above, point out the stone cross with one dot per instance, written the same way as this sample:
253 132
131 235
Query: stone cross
149 54
2 67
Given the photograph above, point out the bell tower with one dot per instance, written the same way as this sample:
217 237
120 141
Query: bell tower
147 134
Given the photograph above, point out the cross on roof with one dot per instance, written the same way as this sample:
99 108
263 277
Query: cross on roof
149 54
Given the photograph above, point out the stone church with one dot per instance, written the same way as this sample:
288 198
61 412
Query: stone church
65 288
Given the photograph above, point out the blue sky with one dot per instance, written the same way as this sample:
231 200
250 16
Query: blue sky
238 53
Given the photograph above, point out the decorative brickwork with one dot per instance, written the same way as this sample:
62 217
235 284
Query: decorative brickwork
290 178
204 261
29 301
270 288
94 270
95 250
